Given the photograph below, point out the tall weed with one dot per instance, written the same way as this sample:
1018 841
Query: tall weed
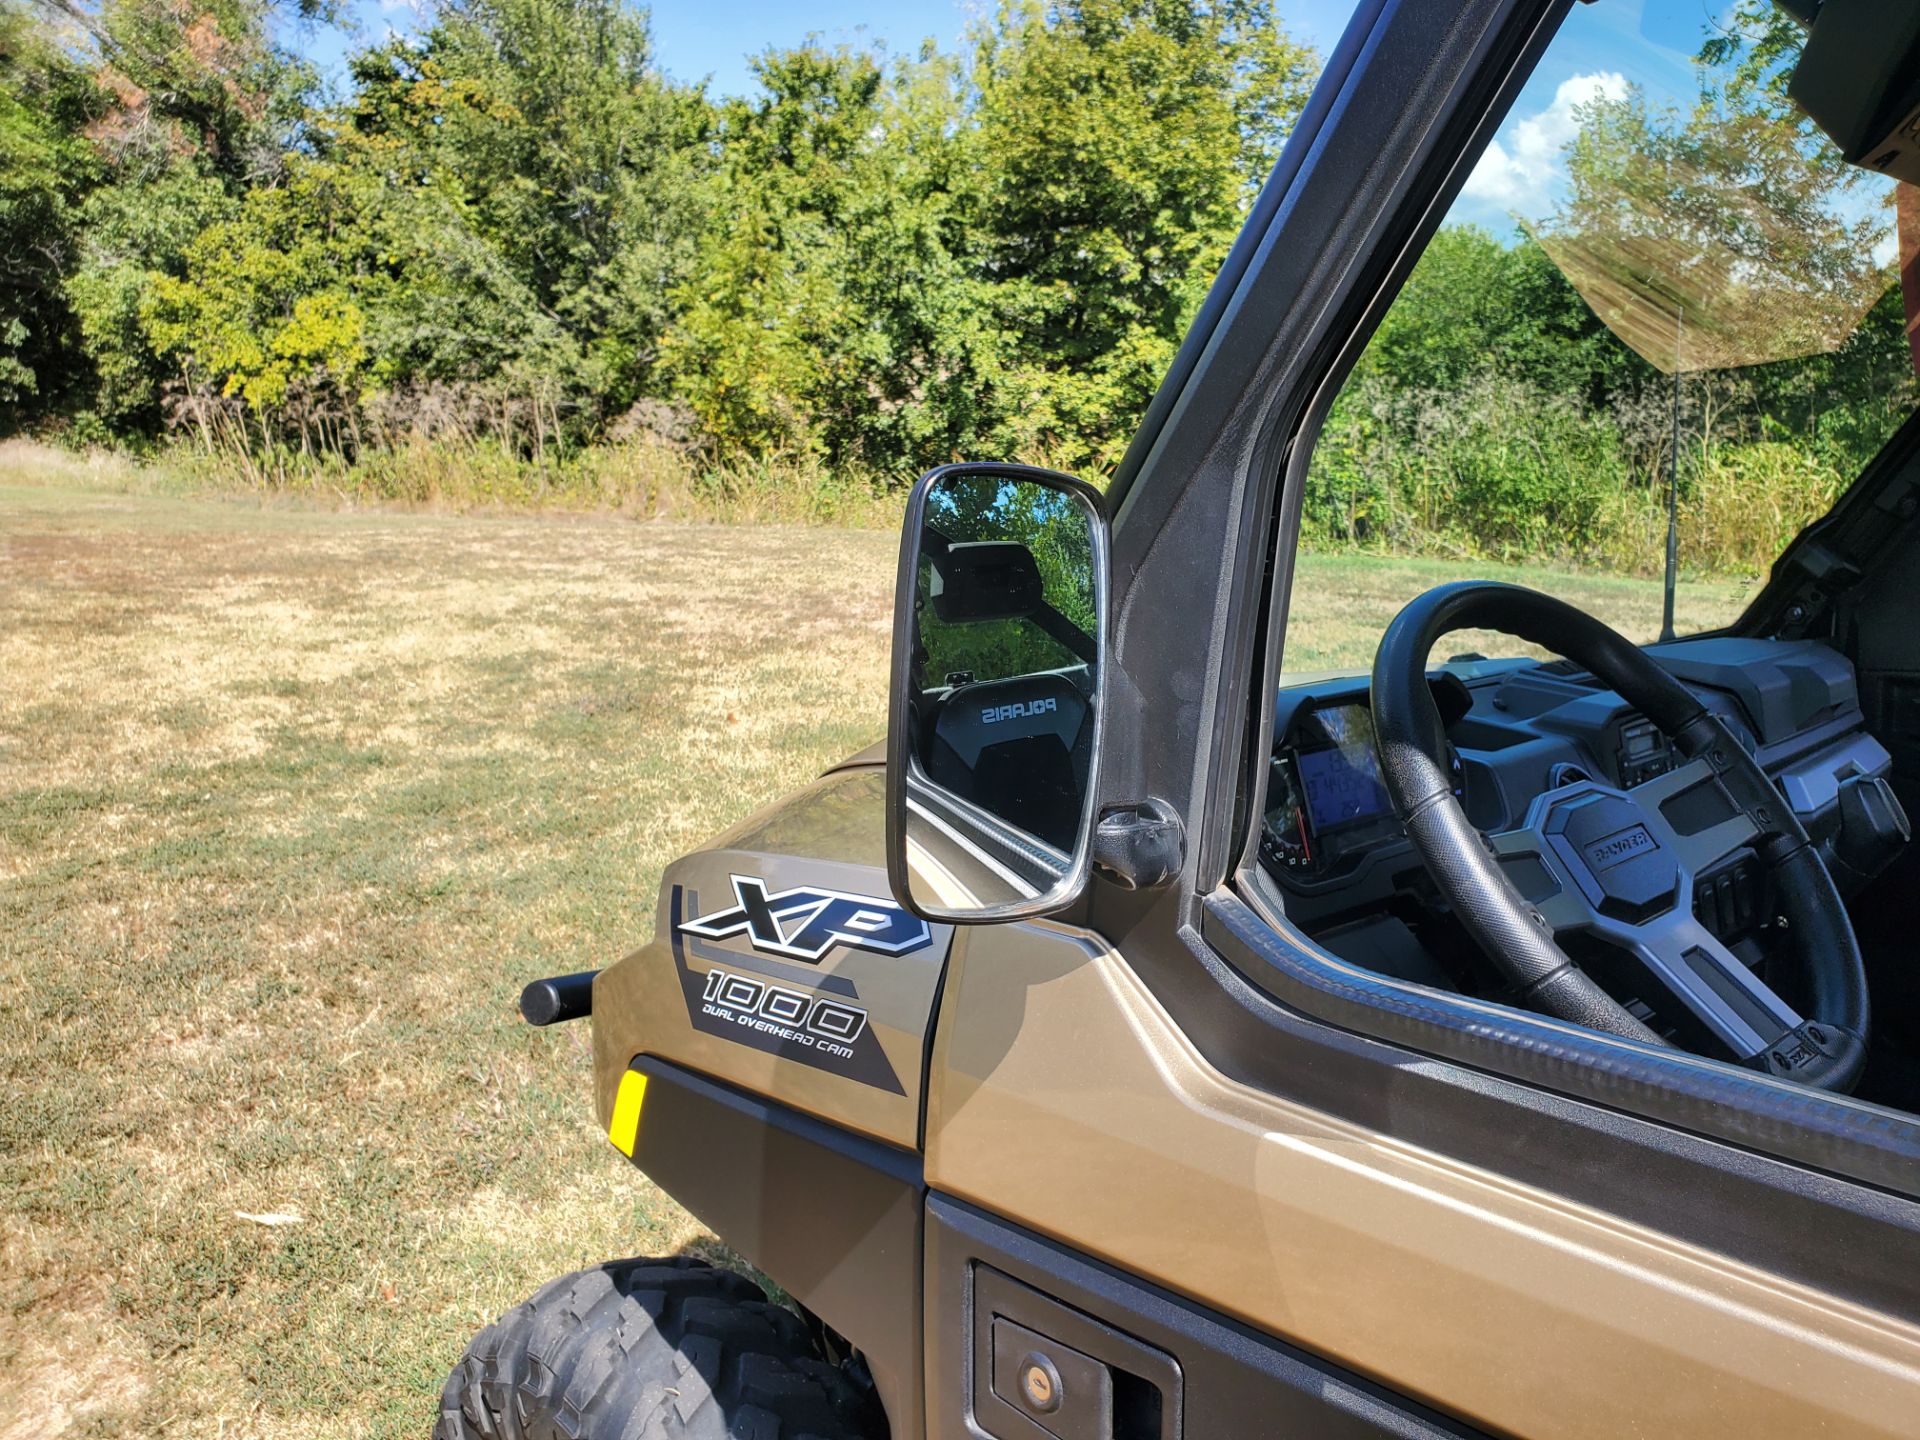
1502 471
641 476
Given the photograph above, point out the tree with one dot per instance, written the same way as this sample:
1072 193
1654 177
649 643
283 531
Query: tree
1117 147
46 170
1453 315
198 80
268 310
553 140
828 310
135 232
191 107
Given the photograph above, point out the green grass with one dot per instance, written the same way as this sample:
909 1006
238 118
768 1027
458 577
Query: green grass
291 805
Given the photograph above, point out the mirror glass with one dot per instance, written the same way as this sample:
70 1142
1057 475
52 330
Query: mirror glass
1002 689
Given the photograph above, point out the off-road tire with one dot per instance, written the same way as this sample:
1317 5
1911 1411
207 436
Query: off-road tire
651 1350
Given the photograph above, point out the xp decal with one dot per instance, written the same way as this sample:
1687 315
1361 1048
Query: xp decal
804 923
826 1032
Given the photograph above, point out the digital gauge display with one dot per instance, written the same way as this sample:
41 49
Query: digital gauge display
1325 798
1327 806
1342 788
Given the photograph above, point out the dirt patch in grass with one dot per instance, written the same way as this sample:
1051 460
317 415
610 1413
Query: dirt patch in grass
75 1366
291 805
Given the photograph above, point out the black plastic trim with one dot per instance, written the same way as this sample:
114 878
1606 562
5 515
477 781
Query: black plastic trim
833 1218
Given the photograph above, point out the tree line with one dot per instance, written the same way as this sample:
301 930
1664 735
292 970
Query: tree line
515 226
512 246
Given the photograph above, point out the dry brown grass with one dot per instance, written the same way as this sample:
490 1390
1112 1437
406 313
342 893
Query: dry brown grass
635 478
291 804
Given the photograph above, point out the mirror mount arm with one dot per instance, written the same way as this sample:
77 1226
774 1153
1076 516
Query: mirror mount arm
1140 845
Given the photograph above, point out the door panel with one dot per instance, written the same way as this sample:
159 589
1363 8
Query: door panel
1063 1096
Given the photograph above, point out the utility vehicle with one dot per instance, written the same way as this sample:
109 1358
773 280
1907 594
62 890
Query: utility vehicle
1155 1039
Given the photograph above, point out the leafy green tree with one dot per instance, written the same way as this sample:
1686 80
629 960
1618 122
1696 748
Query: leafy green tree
754 349
1837 407
1748 57
1474 305
199 79
1452 316
1729 236
1494 411
46 169
828 310
1555 342
193 107
134 234
1116 148
551 139
268 310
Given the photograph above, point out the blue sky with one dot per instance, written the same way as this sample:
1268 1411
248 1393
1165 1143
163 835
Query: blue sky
716 38
1603 47
1600 50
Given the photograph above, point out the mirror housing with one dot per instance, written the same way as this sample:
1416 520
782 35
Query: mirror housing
1858 79
995 711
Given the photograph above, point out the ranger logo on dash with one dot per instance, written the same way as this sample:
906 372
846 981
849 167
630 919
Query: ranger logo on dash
1621 845
1019 710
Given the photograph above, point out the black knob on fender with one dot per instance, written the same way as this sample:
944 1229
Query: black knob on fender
558 998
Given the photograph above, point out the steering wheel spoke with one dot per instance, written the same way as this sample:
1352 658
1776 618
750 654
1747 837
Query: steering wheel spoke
1658 789
1523 861
1706 824
1512 844
1719 995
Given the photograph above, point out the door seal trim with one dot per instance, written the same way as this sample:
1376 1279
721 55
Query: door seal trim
1831 1133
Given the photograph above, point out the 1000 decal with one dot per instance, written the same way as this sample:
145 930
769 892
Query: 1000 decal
793 1021
792 1016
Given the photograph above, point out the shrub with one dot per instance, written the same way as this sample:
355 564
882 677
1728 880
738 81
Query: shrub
1502 470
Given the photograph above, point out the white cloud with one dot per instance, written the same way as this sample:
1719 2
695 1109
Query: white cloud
1521 169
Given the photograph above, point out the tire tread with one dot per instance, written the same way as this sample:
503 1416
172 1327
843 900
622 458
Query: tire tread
673 1349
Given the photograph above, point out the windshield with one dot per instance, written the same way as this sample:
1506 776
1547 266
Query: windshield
1661 285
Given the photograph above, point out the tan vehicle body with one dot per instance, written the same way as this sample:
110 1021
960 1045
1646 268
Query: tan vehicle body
1061 1095
1238 1185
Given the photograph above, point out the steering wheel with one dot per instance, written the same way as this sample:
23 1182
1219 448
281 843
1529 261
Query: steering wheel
1621 865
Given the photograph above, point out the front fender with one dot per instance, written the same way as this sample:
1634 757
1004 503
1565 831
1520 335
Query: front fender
782 966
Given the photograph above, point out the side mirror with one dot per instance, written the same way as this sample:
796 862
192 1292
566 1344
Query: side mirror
999 658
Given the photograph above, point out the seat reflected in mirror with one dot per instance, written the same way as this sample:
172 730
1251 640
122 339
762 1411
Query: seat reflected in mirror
994 731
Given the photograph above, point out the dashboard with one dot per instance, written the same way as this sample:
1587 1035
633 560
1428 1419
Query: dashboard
1515 728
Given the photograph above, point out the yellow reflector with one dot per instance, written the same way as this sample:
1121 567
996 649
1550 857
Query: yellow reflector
624 1129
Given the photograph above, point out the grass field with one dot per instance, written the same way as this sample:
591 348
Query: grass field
291 805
